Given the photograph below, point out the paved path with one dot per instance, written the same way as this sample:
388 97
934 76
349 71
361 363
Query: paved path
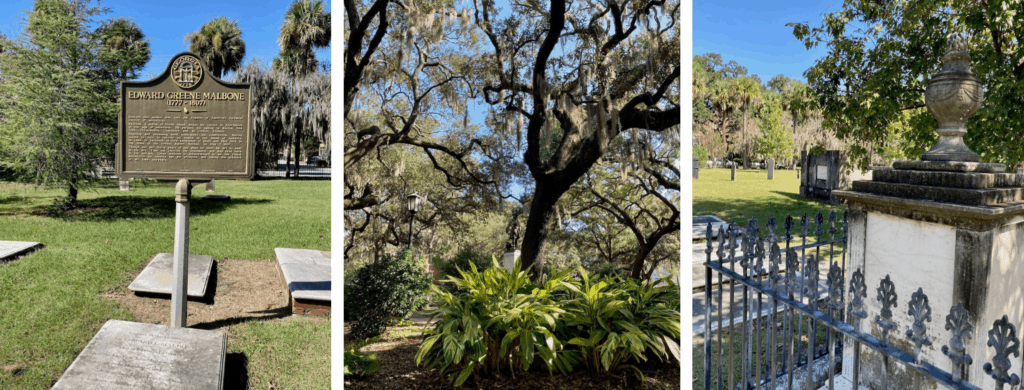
421 318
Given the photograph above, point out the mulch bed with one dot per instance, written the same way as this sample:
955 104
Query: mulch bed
397 355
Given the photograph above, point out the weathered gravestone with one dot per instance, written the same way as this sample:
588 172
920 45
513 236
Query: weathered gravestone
696 168
124 185
733 172
156 278
307 273
131 355
771 169
185 126
11 249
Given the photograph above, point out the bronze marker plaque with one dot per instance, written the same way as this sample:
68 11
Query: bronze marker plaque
185 124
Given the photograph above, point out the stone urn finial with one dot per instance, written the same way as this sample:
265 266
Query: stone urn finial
953 95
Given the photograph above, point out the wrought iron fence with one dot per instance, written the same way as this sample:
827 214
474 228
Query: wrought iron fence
307 169
773 351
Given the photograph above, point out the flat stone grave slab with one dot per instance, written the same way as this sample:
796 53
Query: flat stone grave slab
700 226
217 198
9 249
307 272
132 355
158 275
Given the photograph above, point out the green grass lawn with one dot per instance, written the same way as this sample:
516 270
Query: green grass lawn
50 308
753 195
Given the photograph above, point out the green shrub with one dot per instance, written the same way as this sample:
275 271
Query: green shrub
701 154
462 261
504 323
358 363
384 291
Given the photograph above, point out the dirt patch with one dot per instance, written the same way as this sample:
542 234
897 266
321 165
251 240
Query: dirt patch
397 355
238 291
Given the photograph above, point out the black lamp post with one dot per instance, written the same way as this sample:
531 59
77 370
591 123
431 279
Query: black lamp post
414 205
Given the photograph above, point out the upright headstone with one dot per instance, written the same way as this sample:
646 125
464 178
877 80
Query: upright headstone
949 225
771 169
210 186
124 185
696 168
734 172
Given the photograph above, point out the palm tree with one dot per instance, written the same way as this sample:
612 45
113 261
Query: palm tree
748 94
219 44
307 26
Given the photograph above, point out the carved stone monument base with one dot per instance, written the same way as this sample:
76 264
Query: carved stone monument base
956 235
132 355
509 260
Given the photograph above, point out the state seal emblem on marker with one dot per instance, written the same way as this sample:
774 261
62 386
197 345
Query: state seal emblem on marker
186 71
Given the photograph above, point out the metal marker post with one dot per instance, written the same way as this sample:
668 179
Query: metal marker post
179 285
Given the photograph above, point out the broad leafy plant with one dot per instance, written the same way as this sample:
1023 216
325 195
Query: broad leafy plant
504 323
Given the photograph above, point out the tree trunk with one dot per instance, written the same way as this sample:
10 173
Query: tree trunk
638 261
298 151
746 147
288 161
542 209
71 201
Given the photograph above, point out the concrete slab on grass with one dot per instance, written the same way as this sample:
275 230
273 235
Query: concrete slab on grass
307 273
132 355
10 249
158 276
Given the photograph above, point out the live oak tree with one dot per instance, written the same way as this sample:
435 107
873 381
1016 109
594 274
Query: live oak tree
642 206
552 113
881 55
615 72
279 102
406 62
59 77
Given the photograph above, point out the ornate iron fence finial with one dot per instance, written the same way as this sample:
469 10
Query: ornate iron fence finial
886 295
1003 336
959 322
921 311
859 291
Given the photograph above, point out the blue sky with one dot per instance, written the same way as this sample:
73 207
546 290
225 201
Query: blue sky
166 23
754 34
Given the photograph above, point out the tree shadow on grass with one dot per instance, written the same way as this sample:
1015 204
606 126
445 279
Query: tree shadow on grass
270 314
113 208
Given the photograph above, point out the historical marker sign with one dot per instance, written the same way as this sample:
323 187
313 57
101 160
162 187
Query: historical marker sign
185 124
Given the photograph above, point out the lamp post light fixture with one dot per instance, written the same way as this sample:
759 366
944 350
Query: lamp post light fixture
413 205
